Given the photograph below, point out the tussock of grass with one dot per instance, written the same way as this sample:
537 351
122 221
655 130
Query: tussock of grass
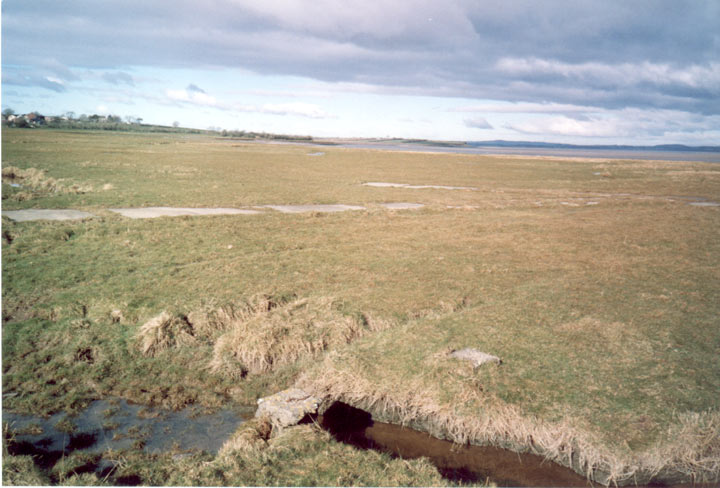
164 332
252 434
260 334
35 180
259 342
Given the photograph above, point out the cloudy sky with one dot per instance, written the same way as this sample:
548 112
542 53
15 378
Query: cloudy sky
600 72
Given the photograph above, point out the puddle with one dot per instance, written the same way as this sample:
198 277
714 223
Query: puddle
380 184
117 425
313 208
705 204
456 462
316 154
152 212
16 185
41 214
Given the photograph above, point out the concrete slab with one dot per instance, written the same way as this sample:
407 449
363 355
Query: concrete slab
153 212
313 208
41 214
381 184
402 206
705 204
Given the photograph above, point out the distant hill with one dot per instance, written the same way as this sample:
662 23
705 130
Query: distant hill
551 145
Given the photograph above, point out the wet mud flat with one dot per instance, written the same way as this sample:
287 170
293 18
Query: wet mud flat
115 425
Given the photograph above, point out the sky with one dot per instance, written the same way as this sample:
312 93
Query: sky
584 72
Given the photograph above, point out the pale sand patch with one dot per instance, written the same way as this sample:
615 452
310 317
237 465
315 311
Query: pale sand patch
42 214
152 212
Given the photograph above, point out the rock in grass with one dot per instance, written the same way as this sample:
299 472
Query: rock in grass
477 358
287 408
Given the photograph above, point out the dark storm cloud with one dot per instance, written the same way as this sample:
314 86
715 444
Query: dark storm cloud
611 54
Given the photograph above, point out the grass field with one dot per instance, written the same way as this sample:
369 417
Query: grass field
595 281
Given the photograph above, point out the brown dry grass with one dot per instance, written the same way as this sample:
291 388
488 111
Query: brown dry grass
252 435
259 334
164 332
259 342
690 450
34 182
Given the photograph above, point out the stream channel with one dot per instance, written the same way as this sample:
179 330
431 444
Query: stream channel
117 425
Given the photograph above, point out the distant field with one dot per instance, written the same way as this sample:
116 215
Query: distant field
596 282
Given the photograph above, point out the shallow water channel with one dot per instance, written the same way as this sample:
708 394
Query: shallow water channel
463 463
117 425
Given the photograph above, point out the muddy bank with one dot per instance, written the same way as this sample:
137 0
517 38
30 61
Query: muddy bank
465 463
505 463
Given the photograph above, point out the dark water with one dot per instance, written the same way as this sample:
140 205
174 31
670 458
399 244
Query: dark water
465 464
117 425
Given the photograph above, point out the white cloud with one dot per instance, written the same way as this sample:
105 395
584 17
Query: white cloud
195 97
477 123
623 74
296 108
659 125
526 108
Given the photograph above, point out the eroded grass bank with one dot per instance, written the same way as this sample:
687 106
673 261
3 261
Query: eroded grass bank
605 316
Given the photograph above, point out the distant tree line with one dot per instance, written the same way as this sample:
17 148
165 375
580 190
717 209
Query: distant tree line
241 134
69 120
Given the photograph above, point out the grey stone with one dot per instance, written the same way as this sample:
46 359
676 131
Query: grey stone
477 358
287 407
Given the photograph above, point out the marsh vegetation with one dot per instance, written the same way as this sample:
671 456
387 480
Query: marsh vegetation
593 280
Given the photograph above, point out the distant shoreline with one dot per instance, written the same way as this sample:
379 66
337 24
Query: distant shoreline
527 149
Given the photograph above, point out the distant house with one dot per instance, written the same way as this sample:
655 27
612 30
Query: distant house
34 118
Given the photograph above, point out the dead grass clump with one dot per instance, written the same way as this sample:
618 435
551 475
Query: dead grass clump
36 180
691 449
215 320
164 332
251 435
259 342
